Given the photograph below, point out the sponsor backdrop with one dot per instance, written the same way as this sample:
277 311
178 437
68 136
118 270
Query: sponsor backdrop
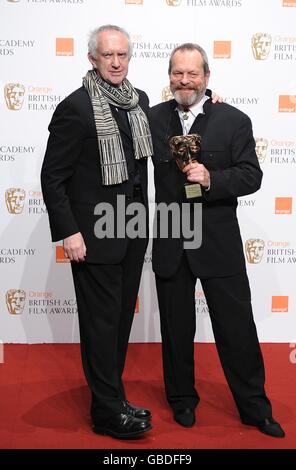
43 44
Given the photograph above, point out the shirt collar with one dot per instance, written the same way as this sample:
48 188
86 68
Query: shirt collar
197 108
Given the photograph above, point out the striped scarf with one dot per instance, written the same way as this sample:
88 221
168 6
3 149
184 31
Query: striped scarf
111 153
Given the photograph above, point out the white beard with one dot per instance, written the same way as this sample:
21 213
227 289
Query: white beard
195 97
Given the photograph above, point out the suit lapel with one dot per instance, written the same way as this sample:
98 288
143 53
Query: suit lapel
201 121
195 128
174 126
200 124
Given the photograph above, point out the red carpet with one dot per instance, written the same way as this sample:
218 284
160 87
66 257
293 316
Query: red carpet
45 401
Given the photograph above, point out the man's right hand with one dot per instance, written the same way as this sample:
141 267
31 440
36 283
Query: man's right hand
74 247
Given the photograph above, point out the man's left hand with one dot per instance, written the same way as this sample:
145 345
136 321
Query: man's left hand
216 98
197 173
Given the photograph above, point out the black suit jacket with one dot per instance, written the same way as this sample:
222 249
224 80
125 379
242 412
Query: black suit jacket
228 152
71 175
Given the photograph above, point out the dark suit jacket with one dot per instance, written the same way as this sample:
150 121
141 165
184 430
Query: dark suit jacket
71 175
228 152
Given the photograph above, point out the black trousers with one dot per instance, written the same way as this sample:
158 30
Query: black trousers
230 309
106 298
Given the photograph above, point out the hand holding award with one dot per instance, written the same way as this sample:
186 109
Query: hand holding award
186 149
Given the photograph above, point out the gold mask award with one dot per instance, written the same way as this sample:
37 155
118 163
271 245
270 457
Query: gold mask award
185 149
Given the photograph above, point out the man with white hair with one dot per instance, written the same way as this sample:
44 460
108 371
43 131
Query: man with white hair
97 151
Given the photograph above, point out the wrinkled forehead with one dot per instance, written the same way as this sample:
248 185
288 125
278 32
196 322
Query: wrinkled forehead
112 40
187 59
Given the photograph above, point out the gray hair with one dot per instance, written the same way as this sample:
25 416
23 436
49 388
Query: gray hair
92 42
190 46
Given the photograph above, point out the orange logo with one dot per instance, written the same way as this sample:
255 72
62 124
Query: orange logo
280 303
60 255
283 205
64 46
222 49
137 307
287 104
289 3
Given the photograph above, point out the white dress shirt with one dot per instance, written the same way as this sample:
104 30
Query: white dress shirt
192 113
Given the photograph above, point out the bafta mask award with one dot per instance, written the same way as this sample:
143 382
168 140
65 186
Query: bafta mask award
185 149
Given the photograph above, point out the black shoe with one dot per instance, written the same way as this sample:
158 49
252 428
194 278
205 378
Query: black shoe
141 413
122 426
271 427
185 417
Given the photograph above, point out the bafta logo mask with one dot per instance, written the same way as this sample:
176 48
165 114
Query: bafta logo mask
254 250
15 301
166 94
185 149
15 200
14 96
261 43
261 148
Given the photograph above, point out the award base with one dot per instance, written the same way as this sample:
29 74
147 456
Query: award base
192 191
